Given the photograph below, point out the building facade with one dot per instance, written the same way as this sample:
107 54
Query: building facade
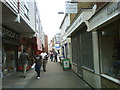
46 43
106 44
94 34
65 42
20 29
50 46
57 40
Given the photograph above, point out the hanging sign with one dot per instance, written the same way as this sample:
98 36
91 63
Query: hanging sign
71 7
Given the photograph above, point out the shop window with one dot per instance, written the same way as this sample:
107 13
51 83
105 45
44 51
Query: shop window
8 60
109 39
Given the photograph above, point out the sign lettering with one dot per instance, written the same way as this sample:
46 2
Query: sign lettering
113 8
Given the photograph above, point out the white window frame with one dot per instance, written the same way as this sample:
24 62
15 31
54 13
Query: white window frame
26 10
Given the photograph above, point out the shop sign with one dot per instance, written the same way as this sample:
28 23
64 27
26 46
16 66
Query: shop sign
66 64
9 33
113 8
71 7
107 13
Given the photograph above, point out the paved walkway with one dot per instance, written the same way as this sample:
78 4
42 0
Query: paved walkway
55 77
16 81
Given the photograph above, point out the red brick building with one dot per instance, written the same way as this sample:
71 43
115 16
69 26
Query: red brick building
46 43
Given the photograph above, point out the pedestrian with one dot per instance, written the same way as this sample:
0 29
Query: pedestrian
45 59
51 56
55 56
24 58
38 64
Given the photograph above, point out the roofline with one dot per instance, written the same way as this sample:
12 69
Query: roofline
99 9
63 20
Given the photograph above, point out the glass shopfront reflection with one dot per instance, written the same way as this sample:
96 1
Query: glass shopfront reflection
8 60
109 40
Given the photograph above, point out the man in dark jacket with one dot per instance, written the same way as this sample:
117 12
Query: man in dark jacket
24 61
38 63
55 55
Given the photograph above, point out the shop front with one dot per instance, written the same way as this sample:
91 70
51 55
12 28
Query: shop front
105 26
81 43
29 44
32 45
109 39
9 51
9 59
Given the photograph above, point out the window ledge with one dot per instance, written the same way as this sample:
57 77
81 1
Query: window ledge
111 78
74 63
88 69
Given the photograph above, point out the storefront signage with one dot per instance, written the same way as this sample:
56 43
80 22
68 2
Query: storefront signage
104 15
113 8
66 64
71 7
9 33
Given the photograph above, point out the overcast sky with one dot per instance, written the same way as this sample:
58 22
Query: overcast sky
49 16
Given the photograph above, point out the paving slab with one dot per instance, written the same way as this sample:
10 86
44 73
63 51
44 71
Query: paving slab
56 77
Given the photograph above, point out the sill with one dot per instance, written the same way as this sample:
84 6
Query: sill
88 69
74 64
111 78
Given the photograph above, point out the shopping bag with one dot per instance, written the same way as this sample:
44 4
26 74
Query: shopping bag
33 66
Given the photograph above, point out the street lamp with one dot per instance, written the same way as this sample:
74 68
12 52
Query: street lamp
60 12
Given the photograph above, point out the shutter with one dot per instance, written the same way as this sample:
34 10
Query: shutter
79 55
87 49
74 52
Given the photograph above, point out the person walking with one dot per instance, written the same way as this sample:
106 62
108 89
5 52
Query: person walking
38 64
55 56
51 56
24 58
45 58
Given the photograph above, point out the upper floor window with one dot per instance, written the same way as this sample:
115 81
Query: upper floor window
26 11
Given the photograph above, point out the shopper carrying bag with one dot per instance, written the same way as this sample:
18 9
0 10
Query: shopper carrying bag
33 66
38 63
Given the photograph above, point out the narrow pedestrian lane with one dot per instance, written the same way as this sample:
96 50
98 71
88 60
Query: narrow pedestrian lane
55 77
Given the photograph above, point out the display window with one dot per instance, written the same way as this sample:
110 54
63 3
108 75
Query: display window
109 46
8 60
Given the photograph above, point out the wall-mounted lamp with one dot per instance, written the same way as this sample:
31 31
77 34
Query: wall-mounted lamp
60 12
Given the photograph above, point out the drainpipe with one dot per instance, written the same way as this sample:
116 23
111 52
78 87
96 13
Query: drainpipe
17 20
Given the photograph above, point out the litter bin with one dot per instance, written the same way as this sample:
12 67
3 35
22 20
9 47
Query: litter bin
66 64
